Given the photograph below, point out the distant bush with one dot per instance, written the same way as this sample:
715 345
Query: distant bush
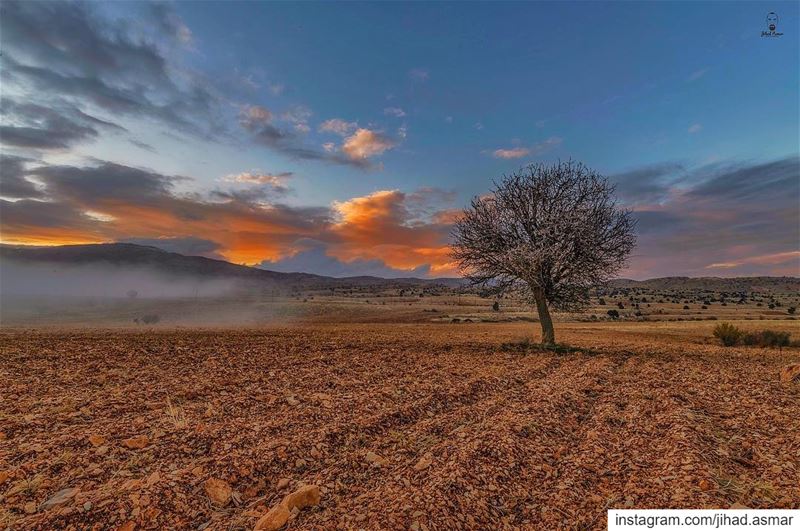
496 306
614 314
601 301
728 334
791 310
767 338
620 306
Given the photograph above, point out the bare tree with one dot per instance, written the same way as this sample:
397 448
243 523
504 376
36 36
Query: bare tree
548 233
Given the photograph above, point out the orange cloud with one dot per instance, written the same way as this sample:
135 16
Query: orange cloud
379 226
767 259
365 143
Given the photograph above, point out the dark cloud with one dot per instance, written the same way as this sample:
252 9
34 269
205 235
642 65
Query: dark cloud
28 215
143 145
733 213
253 194
104 183
744 182
646 184
57 50
316 260
13 184
56 127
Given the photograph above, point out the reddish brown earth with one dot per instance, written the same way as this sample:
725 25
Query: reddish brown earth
425 426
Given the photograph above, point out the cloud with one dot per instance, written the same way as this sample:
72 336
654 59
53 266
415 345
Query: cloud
397 112
774 180
720 214
355 151
513 153
543 147
170 23
66 51
13 181
384 225
695 128
251 117
768 259
315 260
112 202
697 74
298 117
650 184
263 186
338 126
274 179
142 145
60 126
419 74
536 149
365 143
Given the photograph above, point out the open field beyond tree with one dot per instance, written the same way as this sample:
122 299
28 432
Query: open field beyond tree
424 426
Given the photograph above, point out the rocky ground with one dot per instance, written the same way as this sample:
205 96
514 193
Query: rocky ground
407 426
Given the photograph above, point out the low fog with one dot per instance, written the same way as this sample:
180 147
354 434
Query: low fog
44 280
33 293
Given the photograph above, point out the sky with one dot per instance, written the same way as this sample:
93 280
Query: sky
344 138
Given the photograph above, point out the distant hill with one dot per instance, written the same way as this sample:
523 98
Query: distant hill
717 284
128 255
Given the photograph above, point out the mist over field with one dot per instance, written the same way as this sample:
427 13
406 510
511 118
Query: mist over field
58 281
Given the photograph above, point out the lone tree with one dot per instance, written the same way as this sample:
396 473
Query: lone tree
548 233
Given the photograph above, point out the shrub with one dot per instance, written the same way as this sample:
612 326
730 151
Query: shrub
614 314
791 310
767 338
728 334
731 335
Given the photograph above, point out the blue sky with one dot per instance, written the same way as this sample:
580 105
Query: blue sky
362 125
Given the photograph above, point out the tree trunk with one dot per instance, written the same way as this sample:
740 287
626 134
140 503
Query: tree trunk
548 334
